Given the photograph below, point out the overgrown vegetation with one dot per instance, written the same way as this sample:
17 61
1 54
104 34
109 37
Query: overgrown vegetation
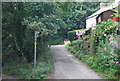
100 49
14 67
53 20
71 35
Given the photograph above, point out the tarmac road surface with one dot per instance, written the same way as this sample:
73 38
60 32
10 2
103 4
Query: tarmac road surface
69 67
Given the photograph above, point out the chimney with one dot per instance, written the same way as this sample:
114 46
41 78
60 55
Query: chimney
102 5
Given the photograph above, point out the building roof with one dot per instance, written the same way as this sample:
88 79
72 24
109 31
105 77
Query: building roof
110 7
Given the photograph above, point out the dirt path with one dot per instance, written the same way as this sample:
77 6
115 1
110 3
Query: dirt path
68 67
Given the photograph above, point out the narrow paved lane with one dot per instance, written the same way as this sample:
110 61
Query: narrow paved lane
68 67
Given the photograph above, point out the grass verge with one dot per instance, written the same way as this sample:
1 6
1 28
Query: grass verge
14 67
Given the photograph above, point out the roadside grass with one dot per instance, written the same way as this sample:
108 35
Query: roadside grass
106 73
14 67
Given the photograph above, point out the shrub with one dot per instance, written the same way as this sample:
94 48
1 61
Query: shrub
71 35
108 53
14 67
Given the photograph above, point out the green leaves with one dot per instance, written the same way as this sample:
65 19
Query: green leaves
71 35
106 27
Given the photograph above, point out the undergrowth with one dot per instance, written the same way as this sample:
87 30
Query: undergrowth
14 67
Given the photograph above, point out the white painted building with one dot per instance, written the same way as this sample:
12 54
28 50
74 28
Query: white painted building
95 18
